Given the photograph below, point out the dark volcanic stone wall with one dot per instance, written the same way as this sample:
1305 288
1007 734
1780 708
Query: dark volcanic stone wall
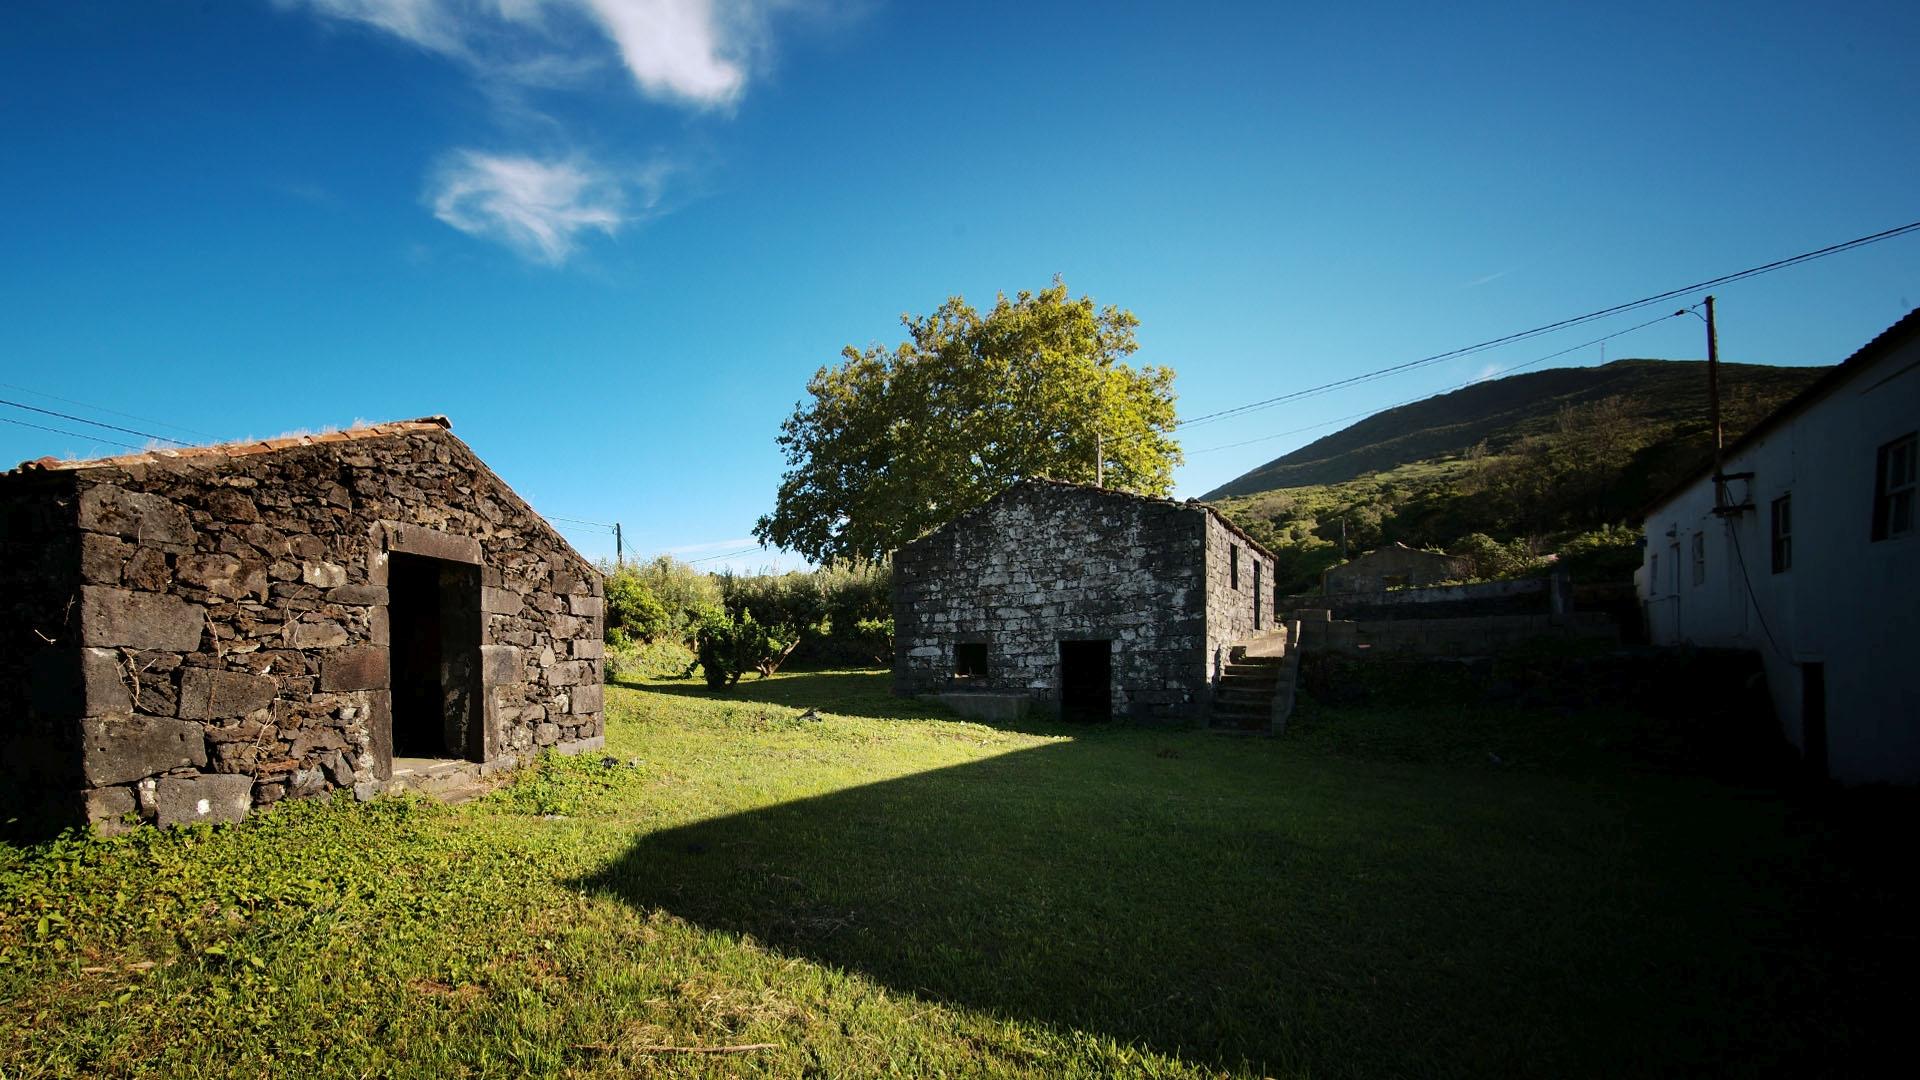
1232 599
225 629
1047 562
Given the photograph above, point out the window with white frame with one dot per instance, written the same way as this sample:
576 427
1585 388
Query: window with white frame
1893 484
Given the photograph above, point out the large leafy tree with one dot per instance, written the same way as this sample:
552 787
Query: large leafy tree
896 443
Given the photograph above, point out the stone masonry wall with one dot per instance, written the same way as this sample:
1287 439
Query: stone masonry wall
1484 635
1047 562
1231 605
227 630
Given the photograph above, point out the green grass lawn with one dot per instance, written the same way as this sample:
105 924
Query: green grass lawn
876 888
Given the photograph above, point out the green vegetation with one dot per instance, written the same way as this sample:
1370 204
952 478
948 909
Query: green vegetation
664 617
1404 885
895 443
1517 468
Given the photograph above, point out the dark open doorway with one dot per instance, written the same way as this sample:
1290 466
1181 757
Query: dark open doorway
1086 680
434 611
1813 718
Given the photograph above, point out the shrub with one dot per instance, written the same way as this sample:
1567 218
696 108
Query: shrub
1611 552
877 635
731 645
1492 559
633 661
661 600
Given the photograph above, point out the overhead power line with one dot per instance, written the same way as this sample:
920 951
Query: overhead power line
94 423
1562 324
64 431
110 412
727 555
1462 386
619 538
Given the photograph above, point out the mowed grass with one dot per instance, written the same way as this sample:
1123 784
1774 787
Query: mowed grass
876 888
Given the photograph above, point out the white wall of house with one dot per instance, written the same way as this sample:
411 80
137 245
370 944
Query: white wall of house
1847 602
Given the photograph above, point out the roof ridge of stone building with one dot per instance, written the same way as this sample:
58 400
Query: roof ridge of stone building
240 447
1197 504
1180 504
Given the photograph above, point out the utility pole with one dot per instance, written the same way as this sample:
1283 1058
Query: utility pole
1713 405
619 553
1099 461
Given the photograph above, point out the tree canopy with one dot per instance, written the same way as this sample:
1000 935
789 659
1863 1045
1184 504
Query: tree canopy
895 443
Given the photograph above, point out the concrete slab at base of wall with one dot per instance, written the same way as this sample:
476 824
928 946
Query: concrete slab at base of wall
987 708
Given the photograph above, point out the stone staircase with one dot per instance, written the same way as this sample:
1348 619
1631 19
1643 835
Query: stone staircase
1255 692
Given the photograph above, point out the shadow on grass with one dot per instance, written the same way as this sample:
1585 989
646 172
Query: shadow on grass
867 694
1239 908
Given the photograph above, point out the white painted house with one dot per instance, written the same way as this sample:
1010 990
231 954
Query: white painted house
1811 558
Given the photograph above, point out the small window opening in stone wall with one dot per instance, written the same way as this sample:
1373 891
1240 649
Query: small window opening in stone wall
970 660
1233 566
434 655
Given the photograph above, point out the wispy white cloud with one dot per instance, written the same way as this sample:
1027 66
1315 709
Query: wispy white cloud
1487 280
539 208
699 53
1487 371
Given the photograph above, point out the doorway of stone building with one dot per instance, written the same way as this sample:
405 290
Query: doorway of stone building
433 609
1086 680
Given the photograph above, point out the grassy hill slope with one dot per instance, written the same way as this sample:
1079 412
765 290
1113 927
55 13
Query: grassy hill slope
1503 471
1500 412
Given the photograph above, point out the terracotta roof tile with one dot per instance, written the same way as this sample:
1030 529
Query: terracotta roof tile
242 448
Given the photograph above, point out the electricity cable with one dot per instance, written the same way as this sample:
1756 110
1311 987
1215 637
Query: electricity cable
109 412
1562 324
726 555
64 431
95 423
1470 382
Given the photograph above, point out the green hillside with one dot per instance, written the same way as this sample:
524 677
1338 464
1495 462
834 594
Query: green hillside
1500 412
1504 471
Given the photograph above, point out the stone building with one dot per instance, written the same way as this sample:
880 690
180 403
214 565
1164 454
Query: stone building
1090 602
192 633
1393 566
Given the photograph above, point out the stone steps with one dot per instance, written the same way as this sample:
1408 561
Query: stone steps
1256 675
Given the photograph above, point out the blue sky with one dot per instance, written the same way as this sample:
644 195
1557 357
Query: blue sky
612 239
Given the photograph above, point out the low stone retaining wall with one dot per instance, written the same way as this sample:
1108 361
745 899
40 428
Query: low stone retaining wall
1476 636
1522 596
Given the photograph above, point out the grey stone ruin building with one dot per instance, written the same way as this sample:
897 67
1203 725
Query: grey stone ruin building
1090 602
193 633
